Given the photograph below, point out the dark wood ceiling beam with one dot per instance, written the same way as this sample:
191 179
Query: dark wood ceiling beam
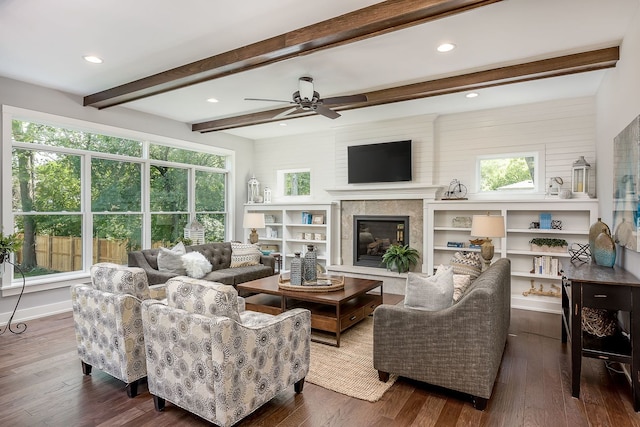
534 70
388 16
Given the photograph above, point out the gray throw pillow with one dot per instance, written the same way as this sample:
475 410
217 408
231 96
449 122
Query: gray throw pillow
429 293
170 260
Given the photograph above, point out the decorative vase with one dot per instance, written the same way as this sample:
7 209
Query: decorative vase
604 252
594 231
310 261
295 276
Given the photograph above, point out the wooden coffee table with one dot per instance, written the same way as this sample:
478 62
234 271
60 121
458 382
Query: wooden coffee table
332 312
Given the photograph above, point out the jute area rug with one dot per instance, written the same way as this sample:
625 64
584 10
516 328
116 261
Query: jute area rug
349 368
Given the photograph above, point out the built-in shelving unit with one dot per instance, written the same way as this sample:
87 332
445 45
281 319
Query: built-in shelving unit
576 217
286 230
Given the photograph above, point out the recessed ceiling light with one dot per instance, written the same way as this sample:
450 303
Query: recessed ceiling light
92 59
471 95
283 124
446 47
212 100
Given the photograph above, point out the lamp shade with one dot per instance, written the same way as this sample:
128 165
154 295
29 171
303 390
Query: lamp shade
487 226
253 220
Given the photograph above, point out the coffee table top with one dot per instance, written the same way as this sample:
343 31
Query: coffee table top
352 287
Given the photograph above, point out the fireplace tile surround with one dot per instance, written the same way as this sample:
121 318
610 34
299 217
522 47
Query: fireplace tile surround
407 200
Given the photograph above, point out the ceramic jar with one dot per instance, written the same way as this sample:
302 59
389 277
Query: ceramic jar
296 271
594 231
310 261
604 251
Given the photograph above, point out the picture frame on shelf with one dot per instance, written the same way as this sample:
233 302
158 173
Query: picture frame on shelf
317 219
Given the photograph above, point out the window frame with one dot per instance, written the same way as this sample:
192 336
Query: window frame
539 167
280 183
11 285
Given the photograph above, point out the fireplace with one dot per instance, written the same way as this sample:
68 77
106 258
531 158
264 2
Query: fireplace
373 234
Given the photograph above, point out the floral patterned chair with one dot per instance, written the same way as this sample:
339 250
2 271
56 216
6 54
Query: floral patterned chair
108 323
206 357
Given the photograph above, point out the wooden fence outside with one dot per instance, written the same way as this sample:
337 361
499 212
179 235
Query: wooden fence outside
61 253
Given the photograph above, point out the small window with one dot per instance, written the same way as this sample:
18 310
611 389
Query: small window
508 173
294 182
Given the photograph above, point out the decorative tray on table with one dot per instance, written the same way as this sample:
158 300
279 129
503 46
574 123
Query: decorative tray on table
323 283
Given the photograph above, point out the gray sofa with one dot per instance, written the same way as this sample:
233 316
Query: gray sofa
459 348
218 254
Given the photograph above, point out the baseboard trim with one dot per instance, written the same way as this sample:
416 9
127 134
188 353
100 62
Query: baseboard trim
22 315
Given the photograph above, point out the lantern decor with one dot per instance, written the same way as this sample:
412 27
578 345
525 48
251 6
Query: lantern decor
580 180
195 232
267 195
253 190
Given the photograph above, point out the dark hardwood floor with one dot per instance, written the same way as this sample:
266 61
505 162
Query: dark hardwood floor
41 384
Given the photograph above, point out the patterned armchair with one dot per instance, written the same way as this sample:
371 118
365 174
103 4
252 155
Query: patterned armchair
107 321
207 358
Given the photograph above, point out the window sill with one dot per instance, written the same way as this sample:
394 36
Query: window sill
45 284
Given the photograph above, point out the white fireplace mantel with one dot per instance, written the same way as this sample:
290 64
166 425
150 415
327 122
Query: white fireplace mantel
385 192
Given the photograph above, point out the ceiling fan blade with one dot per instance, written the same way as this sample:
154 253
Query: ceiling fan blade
305 85
348 99
327 112
270 100
287 112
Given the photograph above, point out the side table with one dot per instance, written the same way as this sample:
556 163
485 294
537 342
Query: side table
590 285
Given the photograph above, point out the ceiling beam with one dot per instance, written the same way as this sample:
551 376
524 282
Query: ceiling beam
381 18
534 70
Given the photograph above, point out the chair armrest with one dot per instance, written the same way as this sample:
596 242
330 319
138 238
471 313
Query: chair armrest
158 292
242 305
268 260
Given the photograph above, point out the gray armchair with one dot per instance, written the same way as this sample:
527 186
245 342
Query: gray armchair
207 358
459 348
107 321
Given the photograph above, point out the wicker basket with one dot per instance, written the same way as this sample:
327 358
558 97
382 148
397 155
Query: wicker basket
599 322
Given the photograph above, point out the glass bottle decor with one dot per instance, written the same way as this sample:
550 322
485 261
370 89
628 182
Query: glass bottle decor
295 275
310 261
594 231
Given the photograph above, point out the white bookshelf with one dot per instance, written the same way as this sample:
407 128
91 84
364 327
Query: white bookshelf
291 234
576 215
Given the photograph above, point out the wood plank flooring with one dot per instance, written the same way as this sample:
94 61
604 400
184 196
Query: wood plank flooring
41 384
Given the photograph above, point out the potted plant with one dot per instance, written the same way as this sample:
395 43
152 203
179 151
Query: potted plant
400 258
8 244
545 244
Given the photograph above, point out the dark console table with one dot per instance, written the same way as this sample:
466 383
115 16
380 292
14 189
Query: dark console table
590 285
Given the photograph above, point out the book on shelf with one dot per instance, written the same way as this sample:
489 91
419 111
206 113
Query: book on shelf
306 218
546 265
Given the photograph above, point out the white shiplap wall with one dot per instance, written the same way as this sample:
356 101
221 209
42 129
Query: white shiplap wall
312 151
419 129
560 131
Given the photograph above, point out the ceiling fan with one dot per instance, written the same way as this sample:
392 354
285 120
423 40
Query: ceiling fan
307 99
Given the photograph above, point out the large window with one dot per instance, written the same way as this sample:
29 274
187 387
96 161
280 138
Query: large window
81 197
508 173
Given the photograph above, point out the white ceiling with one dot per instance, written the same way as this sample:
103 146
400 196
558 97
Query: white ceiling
43 41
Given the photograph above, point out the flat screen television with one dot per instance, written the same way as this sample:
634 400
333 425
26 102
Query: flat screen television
384 162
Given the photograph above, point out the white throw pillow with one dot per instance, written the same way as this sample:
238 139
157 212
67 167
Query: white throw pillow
244 254
460 283
429 293
196 264
170 260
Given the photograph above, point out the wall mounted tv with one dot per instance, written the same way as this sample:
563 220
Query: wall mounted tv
385 162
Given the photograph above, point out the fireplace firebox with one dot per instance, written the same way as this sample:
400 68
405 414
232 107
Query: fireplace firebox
373 234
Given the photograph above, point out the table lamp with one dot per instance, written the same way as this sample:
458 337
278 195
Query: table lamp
486 227
253 220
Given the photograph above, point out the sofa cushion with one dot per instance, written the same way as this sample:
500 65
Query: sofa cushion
467 263
244 254
170 260
429 293
460 284
196 264
217 253
203 297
